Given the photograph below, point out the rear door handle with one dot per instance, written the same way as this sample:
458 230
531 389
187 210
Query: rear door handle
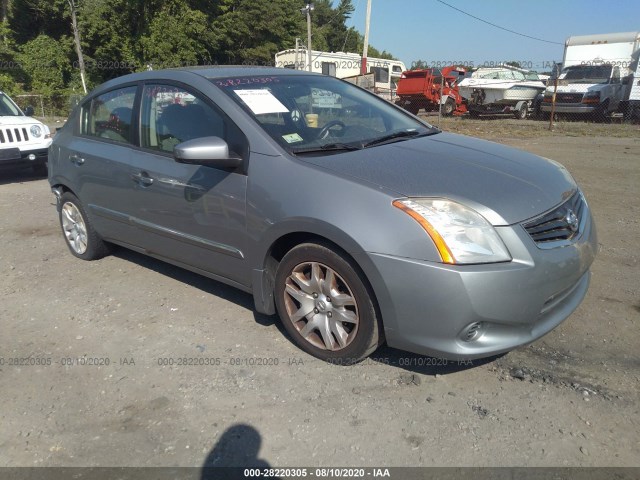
142 178
76 159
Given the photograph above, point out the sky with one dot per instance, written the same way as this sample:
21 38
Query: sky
428 30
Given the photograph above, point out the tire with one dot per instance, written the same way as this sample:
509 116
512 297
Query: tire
81 238
523 112
601 114
448 107
474 114
411 108
310 279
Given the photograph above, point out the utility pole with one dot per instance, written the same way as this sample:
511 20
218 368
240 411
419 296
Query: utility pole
76 34
307 10
365 48
553 98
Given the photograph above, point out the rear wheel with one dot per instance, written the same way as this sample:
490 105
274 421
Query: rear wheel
523 112
325 305
81 238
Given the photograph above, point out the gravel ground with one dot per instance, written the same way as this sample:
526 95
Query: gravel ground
110 328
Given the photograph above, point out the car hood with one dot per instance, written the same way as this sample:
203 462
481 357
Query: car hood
576 88
501 183
18 120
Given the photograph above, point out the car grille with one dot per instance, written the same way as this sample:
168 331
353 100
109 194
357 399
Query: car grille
569 97
13 135
559 226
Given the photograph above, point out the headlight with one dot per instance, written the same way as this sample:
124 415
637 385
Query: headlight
461 235
36 131
591 97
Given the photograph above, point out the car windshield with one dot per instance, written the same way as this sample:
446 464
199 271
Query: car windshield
586 74
8 108
319 114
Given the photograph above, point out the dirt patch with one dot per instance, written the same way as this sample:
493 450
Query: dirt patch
91 368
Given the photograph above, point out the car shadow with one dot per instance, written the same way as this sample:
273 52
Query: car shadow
385 355
207 285
19 175
423 364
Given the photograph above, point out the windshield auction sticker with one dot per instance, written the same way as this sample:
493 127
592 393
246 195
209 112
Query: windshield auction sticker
261 101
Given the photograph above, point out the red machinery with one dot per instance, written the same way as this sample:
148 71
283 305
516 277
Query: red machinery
422 89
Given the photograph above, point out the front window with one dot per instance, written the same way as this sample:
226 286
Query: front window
586 74
172 115
310 113
109 116
8 108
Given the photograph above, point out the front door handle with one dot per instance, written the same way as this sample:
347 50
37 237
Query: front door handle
142 178
76 159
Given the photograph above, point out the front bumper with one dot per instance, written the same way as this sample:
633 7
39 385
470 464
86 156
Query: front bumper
14 157
475 311
570 108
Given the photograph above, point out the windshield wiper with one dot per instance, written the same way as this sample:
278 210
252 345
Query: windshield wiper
329 147
397 136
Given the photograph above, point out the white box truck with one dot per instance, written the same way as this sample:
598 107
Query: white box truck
597 75
343 65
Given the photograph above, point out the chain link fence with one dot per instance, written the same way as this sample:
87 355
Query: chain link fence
53 106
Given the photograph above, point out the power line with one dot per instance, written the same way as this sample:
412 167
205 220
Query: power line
498 26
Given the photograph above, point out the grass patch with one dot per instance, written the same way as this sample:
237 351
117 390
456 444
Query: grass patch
496 128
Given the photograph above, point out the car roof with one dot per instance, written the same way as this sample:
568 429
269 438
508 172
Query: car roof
207 71
223 71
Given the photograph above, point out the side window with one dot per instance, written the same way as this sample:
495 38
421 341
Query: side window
171 115
381 74
329 68
109 115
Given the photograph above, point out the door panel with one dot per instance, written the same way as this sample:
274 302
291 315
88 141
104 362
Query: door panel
99 161
190 213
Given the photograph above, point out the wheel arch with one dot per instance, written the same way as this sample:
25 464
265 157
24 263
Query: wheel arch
59 187
263 277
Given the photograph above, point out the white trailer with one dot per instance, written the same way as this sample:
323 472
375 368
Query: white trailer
633 109
343 65
597 74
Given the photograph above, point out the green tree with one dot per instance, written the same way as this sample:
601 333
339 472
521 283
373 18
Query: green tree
250 31
46 64
177 37
30 18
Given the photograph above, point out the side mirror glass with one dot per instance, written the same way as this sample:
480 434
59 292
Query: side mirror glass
208 151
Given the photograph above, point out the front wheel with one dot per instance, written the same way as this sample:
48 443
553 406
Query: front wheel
448 107
81 238
325 305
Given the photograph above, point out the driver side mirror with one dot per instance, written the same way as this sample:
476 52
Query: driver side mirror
207 151
29 111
